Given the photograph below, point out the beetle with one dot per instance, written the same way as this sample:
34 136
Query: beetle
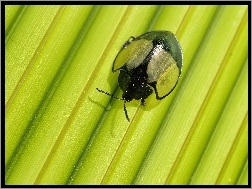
151 61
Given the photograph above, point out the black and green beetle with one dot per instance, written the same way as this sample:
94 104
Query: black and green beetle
151 61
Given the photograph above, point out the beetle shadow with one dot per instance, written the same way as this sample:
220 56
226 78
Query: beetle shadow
99 104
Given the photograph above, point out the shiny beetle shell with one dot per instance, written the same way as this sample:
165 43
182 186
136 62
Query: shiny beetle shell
150 61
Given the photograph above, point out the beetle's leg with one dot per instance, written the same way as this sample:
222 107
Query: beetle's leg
153 84
156 92
142 102
125 111
128 41
132 38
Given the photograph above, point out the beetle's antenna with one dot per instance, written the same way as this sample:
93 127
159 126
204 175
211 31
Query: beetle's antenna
125 110
109 94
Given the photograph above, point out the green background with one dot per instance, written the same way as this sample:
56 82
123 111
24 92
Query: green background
61 130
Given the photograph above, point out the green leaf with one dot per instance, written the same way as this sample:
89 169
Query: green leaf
61 130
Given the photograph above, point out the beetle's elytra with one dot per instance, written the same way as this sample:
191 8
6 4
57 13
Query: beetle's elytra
152 61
